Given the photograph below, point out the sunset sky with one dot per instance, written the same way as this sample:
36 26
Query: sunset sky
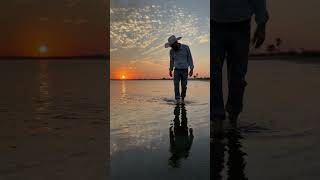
53 28
139 28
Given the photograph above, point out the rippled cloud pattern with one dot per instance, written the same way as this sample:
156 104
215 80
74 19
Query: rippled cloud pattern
149 27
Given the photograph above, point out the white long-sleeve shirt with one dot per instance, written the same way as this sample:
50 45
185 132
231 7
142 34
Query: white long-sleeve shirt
239 10
181 59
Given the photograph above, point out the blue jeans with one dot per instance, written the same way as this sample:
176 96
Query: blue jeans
180 75
231 42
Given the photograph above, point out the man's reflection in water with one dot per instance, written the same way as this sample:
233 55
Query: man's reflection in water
228 143
181 137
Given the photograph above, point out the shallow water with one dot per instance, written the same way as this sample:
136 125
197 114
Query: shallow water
53 119
279 131
143 114
59 108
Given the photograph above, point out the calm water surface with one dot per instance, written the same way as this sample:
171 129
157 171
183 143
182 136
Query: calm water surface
152 138
53 119
59 108
279 131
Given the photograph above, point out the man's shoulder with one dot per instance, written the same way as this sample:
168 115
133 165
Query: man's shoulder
185 46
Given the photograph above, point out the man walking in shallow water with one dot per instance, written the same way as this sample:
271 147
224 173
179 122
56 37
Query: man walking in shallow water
180 61
230 37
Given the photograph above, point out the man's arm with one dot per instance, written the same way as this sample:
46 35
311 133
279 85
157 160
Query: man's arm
261 18
190 61
171 63
260 11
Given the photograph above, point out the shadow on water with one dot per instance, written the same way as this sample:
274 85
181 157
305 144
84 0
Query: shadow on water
228 144
181 137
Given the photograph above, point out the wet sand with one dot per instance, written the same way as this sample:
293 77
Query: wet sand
53 120
279 136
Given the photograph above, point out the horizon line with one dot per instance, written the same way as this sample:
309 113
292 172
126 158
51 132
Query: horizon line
96 56
201 78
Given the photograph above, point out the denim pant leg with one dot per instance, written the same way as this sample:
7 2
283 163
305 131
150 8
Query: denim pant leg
217 59
176 82
237 60
184 82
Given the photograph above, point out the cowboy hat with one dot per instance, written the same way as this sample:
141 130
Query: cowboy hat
171 40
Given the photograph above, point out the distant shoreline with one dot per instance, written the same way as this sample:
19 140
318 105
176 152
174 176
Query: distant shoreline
283 57
192 79
262 56
293 58
21 58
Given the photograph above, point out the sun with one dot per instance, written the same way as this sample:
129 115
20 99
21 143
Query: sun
43 49
123 77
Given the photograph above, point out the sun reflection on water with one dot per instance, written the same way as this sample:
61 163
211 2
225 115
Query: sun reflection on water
43 101
123 96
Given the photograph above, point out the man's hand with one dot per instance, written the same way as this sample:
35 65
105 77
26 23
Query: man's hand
259 35
191 72
170 73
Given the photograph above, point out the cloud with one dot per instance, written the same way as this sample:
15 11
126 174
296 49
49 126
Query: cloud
113 49
147 28
138 34
203 38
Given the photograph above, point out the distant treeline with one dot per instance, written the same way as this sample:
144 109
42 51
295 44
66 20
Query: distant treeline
302 53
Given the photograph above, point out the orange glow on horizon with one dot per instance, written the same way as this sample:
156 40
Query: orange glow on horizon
162 73
43 43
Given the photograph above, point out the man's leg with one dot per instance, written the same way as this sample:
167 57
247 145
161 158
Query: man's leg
184 82
217 59
237 68
176 82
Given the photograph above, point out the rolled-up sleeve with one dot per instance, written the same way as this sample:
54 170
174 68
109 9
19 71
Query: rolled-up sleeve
171 60
190 60
260 11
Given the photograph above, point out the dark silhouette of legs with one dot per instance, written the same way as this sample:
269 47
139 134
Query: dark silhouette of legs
180 76
231 42
176 81
237 63
218 56
184 82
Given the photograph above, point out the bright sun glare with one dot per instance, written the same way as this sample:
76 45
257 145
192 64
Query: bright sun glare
43 49
123 77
